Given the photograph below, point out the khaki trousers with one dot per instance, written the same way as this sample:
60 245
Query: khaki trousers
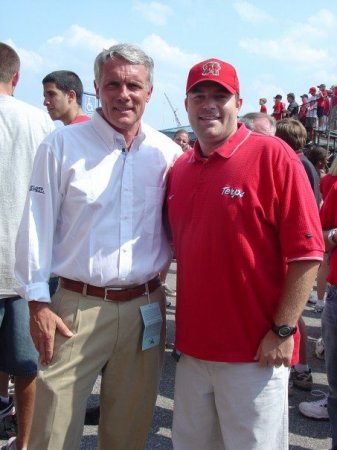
107 338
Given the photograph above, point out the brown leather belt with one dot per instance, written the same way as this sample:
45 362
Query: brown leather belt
110 293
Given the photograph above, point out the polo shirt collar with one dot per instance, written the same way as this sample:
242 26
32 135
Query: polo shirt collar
228 148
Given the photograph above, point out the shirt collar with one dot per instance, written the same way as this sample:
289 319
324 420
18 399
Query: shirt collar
228 148
112 137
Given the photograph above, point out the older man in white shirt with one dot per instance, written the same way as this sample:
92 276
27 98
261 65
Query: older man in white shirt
93 218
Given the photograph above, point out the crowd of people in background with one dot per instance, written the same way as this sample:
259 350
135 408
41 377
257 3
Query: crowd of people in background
316 110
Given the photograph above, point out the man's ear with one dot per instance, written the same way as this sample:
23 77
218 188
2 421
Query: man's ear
72 95
149 94
15 79
239 103
96 89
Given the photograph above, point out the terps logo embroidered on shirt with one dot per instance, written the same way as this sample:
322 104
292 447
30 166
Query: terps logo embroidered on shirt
211 68
227 190
38 189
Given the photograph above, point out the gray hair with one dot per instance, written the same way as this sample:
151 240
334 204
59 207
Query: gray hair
130 53
250 119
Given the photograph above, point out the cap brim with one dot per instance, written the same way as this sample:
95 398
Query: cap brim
226 86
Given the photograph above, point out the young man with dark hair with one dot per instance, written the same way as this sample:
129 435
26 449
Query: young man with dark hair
63 92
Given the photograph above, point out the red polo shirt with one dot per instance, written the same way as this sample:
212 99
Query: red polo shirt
237 218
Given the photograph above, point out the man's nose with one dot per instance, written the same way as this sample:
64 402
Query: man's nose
124 92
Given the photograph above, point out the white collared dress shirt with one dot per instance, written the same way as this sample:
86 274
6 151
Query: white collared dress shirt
94 210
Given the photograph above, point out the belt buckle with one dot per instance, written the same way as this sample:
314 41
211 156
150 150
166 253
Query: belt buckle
107 289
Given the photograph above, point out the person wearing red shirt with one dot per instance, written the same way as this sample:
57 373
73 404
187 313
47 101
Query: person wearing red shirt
262 103
302 114
329 179
319 409
279 108
248 243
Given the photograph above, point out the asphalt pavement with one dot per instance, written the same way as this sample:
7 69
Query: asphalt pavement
304 433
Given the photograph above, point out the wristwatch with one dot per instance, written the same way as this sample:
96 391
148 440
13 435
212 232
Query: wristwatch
284 331
332 236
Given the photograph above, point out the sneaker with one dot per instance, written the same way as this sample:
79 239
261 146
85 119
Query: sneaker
302 380
8 427
168 291
6 408
11 387
11 445
318 308
315 410
319 348
312 300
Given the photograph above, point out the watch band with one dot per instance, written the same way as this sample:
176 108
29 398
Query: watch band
284 331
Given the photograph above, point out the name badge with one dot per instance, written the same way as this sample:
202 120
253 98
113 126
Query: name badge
152 320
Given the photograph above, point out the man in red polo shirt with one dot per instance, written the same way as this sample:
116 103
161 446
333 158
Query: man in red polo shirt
233 202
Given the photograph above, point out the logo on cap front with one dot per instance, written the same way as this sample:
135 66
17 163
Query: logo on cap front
211 68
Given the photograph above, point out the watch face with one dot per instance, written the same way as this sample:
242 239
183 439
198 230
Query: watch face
285 331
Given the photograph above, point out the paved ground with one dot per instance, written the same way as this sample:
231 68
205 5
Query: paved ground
304 434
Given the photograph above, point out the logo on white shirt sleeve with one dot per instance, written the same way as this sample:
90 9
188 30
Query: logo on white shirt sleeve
37 189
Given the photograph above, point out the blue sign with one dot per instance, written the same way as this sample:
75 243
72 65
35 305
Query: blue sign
89 103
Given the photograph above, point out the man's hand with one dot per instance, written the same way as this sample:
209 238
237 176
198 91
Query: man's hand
43 325
275 351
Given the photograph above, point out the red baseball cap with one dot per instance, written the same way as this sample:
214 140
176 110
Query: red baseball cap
312 89
214 70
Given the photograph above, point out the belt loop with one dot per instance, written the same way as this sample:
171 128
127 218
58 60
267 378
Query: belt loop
147 290
84 290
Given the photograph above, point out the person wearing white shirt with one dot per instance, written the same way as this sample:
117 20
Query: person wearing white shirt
311 117
22 128
93 217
